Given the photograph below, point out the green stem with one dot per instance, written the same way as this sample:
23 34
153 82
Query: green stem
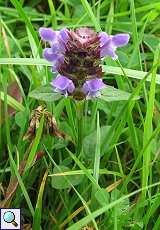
79 109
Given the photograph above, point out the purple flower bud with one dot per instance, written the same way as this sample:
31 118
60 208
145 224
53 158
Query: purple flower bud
92 87
110 43
49 55
63 85
47 34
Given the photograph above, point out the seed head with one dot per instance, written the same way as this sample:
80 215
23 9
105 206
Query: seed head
50 124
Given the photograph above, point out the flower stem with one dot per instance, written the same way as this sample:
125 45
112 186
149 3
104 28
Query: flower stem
79 109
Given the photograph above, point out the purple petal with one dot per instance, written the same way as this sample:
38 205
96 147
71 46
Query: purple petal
120 40
71 87
49 55
64 35
47 34
85 88
110 43
92 87
60 82
108 50
104 37
63 84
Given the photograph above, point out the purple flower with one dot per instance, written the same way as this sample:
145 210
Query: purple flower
92 87
109 43
57 41
76 56
63 85
53 36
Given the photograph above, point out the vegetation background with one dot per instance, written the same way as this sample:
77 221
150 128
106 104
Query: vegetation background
110 179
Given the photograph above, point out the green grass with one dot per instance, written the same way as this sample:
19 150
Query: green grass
105 173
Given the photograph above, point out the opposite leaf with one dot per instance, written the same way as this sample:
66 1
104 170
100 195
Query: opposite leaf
110 94
45 93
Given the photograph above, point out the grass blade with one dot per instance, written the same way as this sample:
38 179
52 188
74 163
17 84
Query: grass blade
148 128
35 144
89 11
38 209
12 102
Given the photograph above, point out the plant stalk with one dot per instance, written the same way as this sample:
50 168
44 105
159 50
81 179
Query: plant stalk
79 109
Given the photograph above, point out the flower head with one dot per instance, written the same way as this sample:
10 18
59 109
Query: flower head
76 55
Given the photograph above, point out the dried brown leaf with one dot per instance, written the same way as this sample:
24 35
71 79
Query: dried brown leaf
113 186
14 91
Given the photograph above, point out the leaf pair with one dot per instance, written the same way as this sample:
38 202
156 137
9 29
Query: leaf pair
109 94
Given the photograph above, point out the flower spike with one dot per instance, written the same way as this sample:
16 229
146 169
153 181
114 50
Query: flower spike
76 57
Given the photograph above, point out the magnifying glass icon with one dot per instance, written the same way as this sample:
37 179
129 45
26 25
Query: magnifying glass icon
9 217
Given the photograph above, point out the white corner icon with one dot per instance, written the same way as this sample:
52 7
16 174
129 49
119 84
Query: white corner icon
10 219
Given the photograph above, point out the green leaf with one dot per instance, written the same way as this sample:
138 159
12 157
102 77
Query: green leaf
61 181
135 74
123 206
89 142
20 119
112 94
151 41
102 196
45 93
24 61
